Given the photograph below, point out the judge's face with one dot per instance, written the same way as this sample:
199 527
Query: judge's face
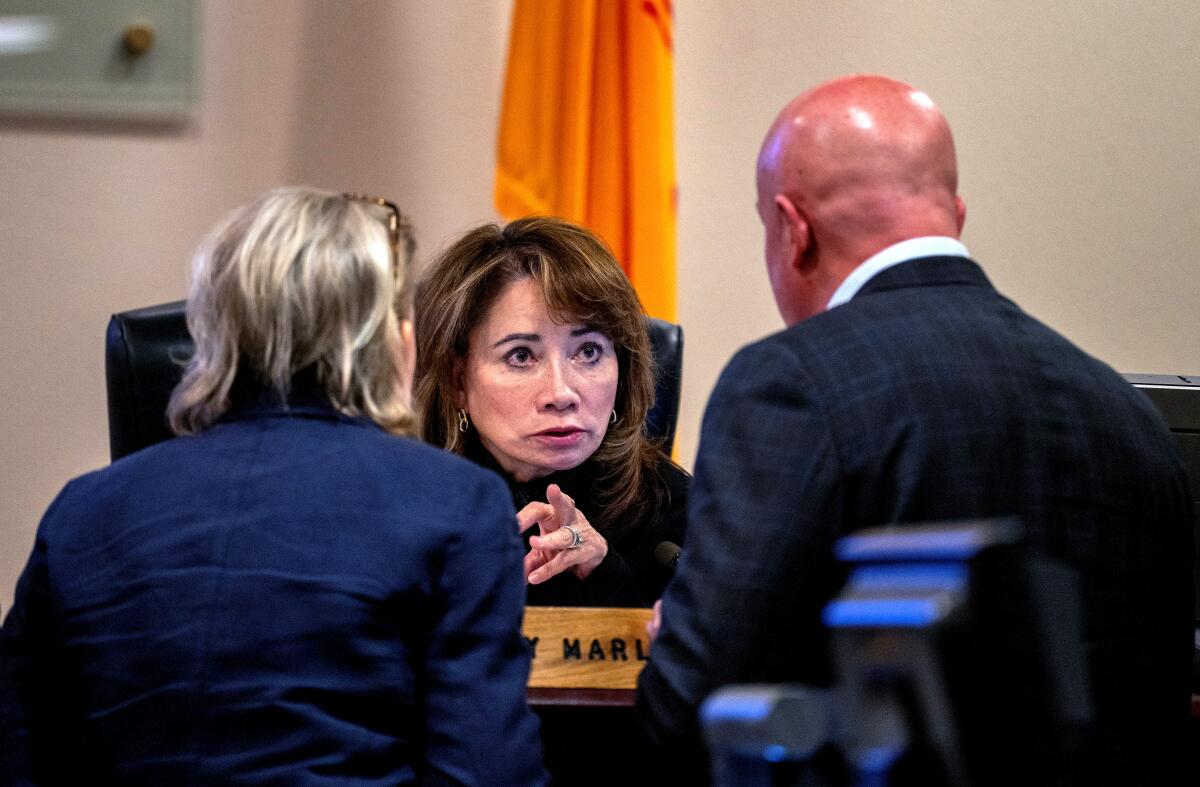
539 392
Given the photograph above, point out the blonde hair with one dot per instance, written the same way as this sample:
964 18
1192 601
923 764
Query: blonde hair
297 280
580 280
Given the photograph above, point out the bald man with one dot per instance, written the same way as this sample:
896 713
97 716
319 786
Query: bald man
906 389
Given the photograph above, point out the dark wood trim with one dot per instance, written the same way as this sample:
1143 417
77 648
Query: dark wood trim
568 698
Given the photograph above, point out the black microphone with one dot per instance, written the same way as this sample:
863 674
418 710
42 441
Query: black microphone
667 554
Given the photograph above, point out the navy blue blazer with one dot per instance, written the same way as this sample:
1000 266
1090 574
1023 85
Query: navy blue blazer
292 596
928 396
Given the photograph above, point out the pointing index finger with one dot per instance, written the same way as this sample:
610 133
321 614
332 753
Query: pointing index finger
563 505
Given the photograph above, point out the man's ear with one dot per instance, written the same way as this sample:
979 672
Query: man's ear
797 237
960 212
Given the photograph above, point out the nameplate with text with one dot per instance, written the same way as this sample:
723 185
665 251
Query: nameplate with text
586 647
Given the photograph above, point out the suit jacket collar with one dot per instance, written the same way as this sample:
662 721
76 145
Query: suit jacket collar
928 272
271 407
250 399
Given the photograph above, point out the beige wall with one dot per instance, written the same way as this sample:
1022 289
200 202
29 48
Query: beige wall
1074 124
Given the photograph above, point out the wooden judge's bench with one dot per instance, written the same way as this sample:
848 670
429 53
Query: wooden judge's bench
582 685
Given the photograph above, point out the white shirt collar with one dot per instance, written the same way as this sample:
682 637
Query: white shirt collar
905 250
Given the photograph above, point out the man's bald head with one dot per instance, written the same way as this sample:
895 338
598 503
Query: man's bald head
849 168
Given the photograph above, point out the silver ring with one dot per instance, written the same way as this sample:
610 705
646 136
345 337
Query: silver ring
576 538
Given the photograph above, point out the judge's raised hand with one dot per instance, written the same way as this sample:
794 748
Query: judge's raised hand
566 541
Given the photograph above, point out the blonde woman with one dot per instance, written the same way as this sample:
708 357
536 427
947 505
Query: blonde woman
284 593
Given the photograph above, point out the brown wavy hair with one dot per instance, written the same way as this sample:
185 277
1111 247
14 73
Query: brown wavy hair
581 282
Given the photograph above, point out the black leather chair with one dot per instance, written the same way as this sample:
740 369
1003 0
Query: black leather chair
146 349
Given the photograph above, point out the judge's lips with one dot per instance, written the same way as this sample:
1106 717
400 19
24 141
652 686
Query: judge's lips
561 436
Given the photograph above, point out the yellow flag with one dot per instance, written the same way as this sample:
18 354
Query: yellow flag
586 132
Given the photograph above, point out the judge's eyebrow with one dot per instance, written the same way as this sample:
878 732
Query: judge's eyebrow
537 337
519 337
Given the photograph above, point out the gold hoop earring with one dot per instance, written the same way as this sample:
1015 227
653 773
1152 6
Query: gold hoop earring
613 418
463 423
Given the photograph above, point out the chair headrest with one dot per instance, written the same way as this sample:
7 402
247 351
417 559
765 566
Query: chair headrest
666 343
145 350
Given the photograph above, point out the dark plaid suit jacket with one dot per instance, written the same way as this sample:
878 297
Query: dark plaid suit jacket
929 396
